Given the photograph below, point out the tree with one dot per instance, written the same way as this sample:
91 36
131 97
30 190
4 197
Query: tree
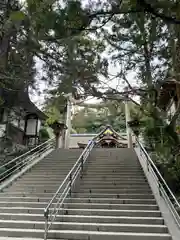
80 67
91 117
16 61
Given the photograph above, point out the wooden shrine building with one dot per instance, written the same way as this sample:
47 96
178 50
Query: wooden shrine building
108 138
20 119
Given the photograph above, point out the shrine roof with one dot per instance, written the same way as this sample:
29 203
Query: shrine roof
13 98
109 132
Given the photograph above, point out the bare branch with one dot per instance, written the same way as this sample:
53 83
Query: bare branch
148 8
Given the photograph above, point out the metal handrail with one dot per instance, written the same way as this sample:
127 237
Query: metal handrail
57 201
7 169
164 189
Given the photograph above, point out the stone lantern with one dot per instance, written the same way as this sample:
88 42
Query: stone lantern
135 126
59 132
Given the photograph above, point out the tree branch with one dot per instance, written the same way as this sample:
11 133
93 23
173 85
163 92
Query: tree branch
142 6
149 9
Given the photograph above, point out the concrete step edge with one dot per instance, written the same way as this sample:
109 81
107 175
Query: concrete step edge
91 204
85 232
81 209
85 224
109 210
83 216
74 198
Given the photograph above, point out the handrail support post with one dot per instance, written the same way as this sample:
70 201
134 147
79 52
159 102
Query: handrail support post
70 179
46 215
159 187
82 167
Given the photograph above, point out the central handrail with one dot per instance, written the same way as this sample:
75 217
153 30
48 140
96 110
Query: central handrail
55 204
164 189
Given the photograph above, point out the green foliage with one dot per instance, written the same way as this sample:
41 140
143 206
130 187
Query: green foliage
53 114
44 135
17 16
91 118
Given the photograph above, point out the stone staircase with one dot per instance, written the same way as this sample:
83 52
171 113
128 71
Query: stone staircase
22 204
112 200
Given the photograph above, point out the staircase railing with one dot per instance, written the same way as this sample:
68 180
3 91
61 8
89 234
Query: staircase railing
56 203
16 164
164 190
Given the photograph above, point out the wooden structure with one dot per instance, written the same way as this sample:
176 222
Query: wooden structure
108 138
20 119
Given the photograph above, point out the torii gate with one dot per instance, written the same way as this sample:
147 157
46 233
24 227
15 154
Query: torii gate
71 100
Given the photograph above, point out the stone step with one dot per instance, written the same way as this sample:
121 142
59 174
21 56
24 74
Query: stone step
82 181
112 179
53 168
82 185
115 196
37 185
85 218
107 227
66 160
114 191
109 171
101 212
110 212
38 190
8 193
33 190
47 174
108 186
53 163
82 235
62 159
111 165
79 200
118 165
85 177
107 161
118 162
111 168
86 195
42 179
82 205
111 219
111 175
112 201
111 206
118 180
19 209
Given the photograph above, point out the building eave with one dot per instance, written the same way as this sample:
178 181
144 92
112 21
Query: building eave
13 98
